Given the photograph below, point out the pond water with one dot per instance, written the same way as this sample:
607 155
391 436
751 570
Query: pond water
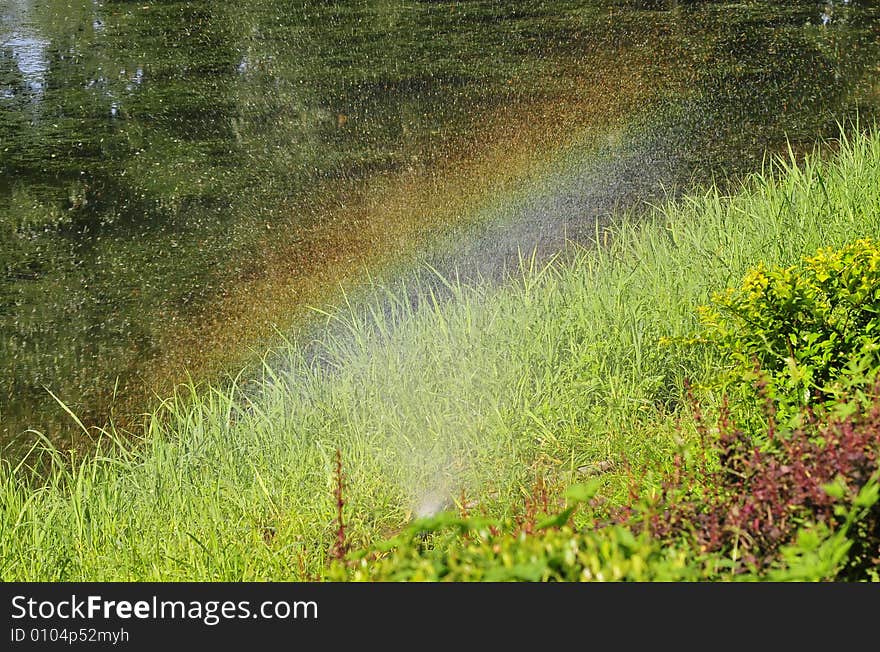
179 179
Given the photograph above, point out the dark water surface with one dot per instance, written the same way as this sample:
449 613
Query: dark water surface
159 161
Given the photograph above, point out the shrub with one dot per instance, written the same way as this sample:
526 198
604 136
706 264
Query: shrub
757 505
808 327
449 548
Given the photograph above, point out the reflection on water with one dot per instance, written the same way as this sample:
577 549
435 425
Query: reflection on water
28 51
162 162
20 38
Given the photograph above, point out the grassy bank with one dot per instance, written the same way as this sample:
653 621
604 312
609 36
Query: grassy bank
555 375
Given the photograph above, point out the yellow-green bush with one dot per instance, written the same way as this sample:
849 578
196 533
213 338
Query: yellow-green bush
806 326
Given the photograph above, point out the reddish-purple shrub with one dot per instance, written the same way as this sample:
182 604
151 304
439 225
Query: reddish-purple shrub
749 499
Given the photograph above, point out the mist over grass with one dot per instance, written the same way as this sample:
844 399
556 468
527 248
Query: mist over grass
474 394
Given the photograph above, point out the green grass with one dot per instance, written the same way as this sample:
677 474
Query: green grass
478 393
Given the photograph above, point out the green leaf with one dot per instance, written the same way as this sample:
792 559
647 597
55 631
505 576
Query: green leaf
557 520
836 489
583 493
868 496
533 572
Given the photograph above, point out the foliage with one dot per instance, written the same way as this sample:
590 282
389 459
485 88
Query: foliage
451 548
748 496
807 326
